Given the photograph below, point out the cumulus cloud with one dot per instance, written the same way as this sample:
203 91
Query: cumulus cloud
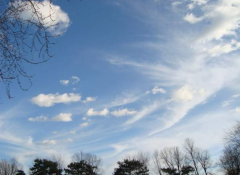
195 3
48 100
237 109
64 82
224 48
157 90
185 93
236 96
192 19
91 112
38 119
123 112
224 17
75 79
89 99
48 142
84 124
52 16
63 117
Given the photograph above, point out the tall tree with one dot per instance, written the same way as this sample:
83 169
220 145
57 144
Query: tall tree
80 168
230 159
46 167
9 167
192 153
90 159
157 163
131 167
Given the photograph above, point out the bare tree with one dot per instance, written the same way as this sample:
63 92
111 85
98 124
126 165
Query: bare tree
25 38
204 159
167 157
9 167
157 164
90 159
143 157
191 154
59 160
230 160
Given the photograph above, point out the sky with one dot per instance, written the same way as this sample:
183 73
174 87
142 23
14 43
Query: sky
128 76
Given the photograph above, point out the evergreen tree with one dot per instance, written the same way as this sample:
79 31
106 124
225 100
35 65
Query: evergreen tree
45 167
80 168
131 167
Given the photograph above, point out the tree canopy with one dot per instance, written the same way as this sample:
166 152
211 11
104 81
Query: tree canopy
131 167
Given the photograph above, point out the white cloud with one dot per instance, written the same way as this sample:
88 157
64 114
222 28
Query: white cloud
237 109
227 103
56 20
223 19
185 93
224 48
192 19
48 100
63 117
84 124
123 112
38 119
54 142
89 99
196 2
54 132
144 112
75 79
157 90
91 112
72 132
48 142
236 96
64 82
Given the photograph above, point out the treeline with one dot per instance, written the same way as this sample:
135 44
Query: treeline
187 160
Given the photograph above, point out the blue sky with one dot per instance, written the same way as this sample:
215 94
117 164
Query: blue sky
129 76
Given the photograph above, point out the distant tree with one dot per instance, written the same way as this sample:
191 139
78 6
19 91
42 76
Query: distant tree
58 158
192 154
90 159
157 163
131 167
26 34
9 167
20 172
45 167
185 170
80 168
170 171
230 159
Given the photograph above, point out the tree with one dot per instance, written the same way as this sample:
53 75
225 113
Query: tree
192 153
157 164
9 167
26 34
58 158
90 159
20 172
80 168
230 159
46 167
131 167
